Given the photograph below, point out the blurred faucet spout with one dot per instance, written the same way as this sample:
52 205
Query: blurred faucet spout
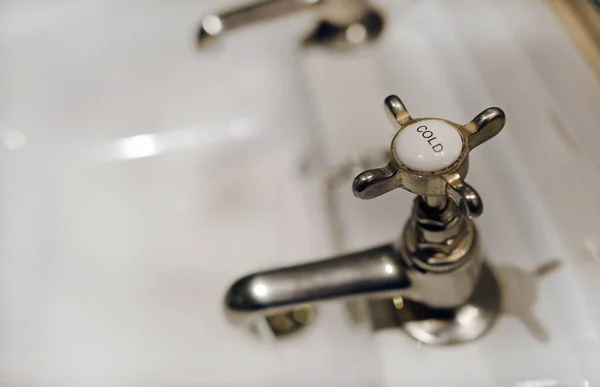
341 22
215 25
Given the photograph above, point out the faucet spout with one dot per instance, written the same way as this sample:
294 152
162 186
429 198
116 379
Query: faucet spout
373 273
341 23
215 25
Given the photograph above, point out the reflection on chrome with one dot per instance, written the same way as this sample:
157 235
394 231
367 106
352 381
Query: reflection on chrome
356 33
212 25
260 290
467 315
389 268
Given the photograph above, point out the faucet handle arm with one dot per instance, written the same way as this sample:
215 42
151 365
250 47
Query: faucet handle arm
486 125
465 196
396 111
375 182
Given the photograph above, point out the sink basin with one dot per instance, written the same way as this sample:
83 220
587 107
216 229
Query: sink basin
140 177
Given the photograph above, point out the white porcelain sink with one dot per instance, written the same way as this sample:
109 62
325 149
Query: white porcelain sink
140 176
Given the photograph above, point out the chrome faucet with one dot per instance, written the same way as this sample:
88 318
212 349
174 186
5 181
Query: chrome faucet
433 279
341 23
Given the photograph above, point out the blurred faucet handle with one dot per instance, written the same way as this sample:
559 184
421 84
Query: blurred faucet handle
341 22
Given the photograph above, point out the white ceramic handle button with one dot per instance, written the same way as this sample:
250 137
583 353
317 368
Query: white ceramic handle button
428 145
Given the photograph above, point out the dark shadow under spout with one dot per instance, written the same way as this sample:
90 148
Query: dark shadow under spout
375 273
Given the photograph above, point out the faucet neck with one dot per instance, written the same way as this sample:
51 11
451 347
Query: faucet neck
438 236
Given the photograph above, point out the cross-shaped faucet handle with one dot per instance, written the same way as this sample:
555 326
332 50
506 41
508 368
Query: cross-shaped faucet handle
430 156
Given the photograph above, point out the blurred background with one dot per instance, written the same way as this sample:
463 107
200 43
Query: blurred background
140 174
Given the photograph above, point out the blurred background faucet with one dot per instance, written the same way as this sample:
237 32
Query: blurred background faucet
340 23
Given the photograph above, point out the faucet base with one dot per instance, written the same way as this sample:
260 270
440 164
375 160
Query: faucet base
443 326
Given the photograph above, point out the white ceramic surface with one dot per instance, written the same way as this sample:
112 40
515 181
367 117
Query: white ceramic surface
139 177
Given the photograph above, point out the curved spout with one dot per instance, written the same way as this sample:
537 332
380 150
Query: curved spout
215 25
341 23
375 272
